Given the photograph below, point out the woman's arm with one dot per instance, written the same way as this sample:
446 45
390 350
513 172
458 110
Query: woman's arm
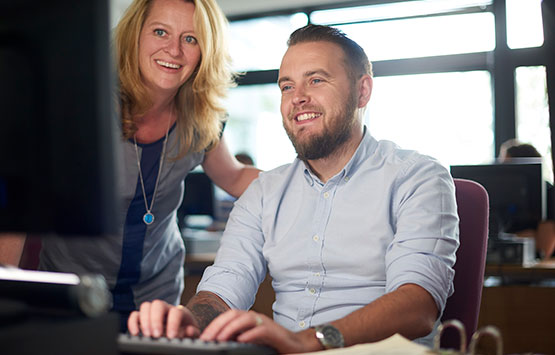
226 171
11 248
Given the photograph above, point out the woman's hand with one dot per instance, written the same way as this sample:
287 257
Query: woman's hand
158 319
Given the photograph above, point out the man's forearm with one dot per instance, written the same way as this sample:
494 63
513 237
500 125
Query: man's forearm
409 311
206 306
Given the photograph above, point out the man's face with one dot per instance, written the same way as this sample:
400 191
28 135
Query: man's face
318 99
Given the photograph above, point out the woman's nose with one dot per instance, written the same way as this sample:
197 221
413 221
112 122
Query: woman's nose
174 47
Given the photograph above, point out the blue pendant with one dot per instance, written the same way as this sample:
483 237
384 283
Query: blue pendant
148 218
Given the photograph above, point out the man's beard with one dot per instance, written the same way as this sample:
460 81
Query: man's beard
322 145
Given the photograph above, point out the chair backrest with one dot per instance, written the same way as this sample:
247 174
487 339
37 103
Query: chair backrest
464 304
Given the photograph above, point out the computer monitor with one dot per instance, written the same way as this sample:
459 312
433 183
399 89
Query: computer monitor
198 198
516 190
59 125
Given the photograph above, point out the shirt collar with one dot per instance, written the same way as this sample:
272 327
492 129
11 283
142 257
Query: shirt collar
366 148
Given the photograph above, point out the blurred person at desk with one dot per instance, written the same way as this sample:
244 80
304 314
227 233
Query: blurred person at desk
543 232
358 235
173 71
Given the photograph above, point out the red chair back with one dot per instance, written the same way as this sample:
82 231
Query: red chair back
464 304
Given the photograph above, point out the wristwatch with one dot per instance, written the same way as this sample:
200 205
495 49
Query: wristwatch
329 336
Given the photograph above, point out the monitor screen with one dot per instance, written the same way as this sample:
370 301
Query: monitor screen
59 124
198 199
516 193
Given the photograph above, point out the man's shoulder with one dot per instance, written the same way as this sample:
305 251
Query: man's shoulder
281 171
392 153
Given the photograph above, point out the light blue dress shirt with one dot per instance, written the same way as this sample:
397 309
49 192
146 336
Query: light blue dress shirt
387 219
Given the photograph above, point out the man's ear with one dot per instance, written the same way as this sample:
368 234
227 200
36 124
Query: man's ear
365 84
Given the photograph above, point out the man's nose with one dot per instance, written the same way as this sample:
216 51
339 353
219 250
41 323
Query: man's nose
301 96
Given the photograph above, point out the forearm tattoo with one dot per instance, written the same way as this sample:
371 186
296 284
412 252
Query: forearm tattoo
205 308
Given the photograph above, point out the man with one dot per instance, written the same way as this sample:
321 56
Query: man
358 235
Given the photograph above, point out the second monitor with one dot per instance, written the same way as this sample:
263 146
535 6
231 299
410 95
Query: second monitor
517 194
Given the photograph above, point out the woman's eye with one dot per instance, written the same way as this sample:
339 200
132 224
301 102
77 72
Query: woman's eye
190 39
159 32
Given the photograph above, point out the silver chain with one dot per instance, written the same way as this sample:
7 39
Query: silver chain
162 158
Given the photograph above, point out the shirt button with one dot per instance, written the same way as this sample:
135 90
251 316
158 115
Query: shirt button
316 238
302 324
346 178
312 291
317 274
326 194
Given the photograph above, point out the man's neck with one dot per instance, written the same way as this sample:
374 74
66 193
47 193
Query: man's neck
329 166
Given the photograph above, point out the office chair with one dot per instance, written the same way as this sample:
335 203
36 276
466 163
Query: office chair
464 303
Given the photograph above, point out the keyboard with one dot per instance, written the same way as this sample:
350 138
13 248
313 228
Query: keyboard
129 344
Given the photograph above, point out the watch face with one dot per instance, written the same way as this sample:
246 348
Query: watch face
329 336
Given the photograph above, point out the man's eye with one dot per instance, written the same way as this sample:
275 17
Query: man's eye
190 39
285 88
159 32
316 81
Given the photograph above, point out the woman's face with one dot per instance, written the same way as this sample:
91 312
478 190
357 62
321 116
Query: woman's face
168 47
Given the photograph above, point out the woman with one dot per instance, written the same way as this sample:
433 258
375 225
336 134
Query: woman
173 72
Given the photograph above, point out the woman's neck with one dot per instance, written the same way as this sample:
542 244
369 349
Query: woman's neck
154 124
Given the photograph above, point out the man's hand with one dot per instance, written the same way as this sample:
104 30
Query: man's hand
252 327
158 318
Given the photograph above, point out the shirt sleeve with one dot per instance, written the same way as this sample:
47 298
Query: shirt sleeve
426 230
239 267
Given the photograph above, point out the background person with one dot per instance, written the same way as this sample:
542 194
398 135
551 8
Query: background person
544 232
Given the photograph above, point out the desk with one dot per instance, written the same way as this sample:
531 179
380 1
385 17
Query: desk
531 274
25 331
522 307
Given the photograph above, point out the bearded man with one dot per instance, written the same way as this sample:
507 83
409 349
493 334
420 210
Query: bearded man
358 235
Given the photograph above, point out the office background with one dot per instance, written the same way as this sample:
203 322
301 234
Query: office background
453 78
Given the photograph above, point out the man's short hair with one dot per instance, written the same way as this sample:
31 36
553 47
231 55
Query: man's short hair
356 61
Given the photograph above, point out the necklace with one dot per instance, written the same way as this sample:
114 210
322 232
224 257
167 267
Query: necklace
148 217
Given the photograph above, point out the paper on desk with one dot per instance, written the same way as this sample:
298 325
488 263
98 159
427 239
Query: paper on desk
394 345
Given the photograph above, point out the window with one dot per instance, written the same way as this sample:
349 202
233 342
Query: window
259 44
532 113
444 115
400 30
435 77
420 37
524 23
255 126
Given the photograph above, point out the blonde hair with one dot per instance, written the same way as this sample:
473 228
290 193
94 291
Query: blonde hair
198 101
